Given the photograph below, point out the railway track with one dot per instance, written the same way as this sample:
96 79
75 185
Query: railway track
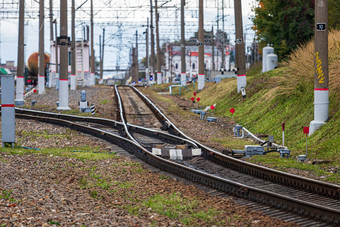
317 201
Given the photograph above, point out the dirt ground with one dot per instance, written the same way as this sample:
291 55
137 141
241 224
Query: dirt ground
44 189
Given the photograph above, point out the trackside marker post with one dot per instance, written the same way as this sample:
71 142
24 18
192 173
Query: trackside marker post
302 158
198 99
232 111
283 133
7 107
192 100
306 131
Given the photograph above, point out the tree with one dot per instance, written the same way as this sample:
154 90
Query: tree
284 23
334 14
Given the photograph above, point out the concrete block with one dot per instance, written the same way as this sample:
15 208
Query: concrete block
196 152
156 151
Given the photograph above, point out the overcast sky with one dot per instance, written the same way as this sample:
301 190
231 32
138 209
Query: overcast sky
130 22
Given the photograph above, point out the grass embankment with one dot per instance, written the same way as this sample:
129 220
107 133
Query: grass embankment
113 180
286 95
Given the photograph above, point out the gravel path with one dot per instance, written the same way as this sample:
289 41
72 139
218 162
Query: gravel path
44 189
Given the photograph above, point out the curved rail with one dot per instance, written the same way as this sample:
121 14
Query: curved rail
279 177
315 211
168 138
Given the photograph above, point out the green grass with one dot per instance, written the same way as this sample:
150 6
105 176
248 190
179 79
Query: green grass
272 99
7 195
87 152
51 222
234 143
177 207
103 102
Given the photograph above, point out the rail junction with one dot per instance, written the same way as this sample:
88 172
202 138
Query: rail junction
141 126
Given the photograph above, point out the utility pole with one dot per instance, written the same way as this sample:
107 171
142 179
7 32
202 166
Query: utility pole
159 72
134 65
63 81
101 47
92 78
240 55
41 74
51 41
136 53
56 48
223 38
183 64
321 86
51 22
20 72
147 77
152 41
73 49
213 48
201 76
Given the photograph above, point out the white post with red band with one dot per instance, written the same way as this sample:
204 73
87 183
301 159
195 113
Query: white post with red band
41 84
201 81
73 81
19 101
241 82
92 79
321 109
183 79
321 77
159 78
7 108
63 95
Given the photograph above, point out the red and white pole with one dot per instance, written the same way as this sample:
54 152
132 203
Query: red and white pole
41 59
159 78
20 71
183 79
63 81
73 81
321 91
201 77
283 133
240 48
7 108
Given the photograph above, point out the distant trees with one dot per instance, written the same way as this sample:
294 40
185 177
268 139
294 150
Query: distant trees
284 23
288 23
334 14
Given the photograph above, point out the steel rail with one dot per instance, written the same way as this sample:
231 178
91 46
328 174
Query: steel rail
275 176
302 208
165 137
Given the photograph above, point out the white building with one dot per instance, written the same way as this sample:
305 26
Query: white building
173 60
82 63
